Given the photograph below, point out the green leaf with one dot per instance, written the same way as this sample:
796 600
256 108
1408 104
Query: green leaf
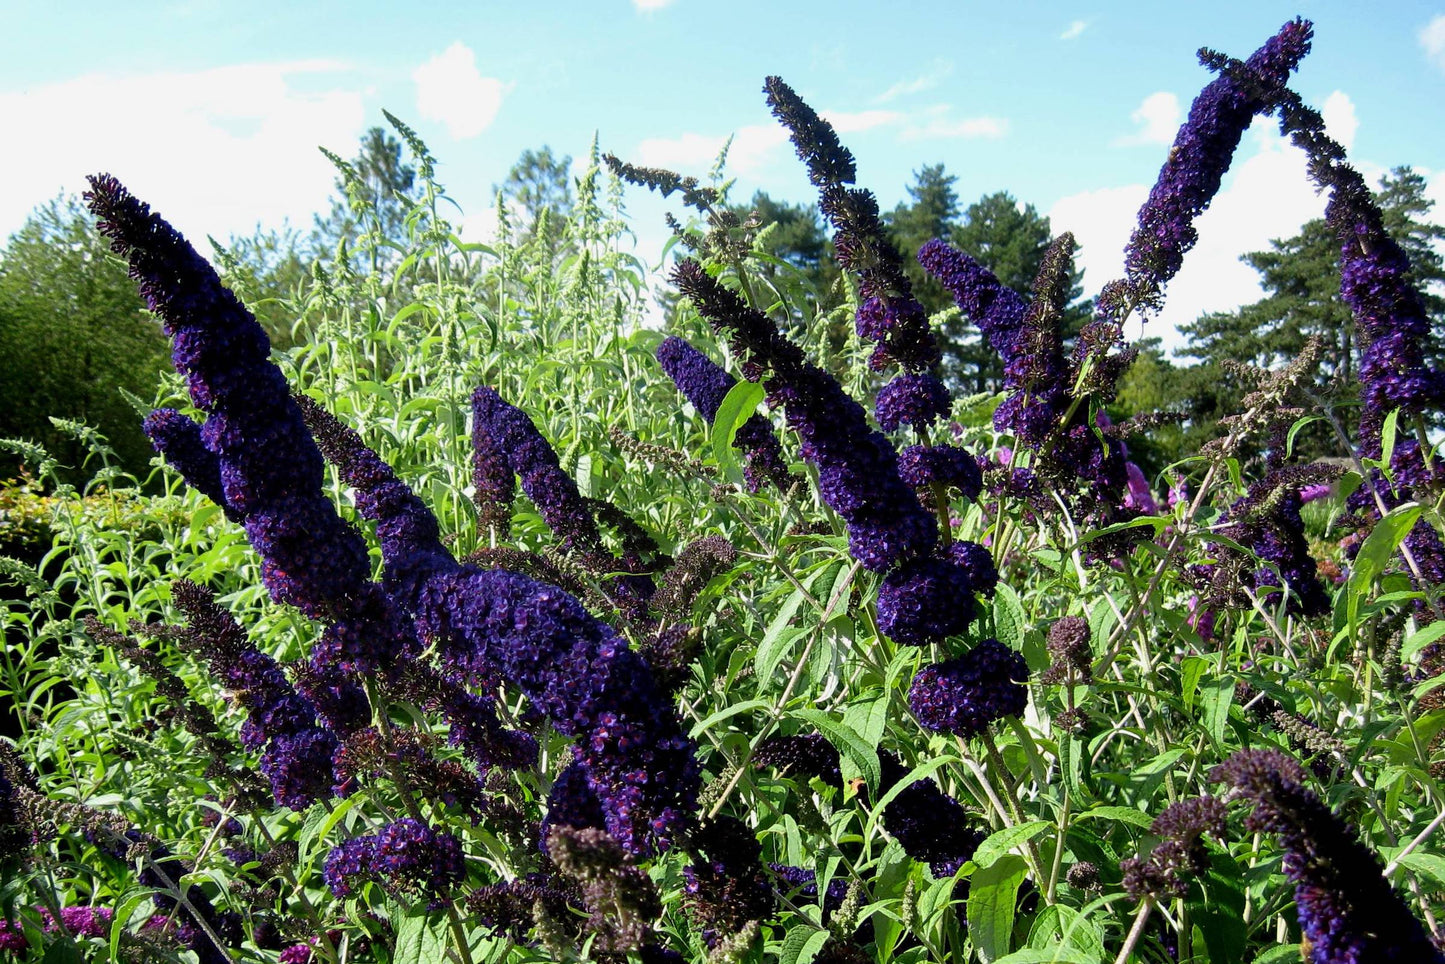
1387 440
746 706
1431 865
802 945
1381 544
122 918
777 639
1054 955
1002 841
1009 620
1129 815
420 939
992 897
1419 640
850 744
739 405
1193 669
1279 954
62 951
1215 699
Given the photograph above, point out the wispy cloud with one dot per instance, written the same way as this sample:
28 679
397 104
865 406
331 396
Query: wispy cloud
936 73
648 6
752 147
936 124
1432 38
864 120
451 90
1156 120
1074 29
239 146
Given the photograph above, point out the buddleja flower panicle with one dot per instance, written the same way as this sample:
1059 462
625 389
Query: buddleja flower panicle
857 467
1200 155
1347 910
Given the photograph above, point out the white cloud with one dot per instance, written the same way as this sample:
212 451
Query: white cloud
214 151
936 124
451 90
937 72
1267 195
692 153
1074 29
1157 120
648 6
863 120
1432 38
1340 120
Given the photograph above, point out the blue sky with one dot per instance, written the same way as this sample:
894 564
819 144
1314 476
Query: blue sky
212 110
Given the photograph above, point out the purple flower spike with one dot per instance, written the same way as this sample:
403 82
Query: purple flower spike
270 470
857 467
532 458
705 385
495 624
179 440
407 857
965 694
925 600
913 400
993 307
1201 154
1347 910
923 465
296 754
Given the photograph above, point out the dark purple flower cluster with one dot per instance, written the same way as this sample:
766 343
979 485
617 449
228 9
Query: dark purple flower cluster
917 400
500 625
705 385
571 517
1267 521
296 753
890 315
726 884
1347 910
494 482
1180 853
406 857
571 802
857 467
803 755
179 441
963 695
1392 328
977 562
1201 154
1039 379
509 431
1071 656
585 678
929 825
993 307
925 600
922 466
269 467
